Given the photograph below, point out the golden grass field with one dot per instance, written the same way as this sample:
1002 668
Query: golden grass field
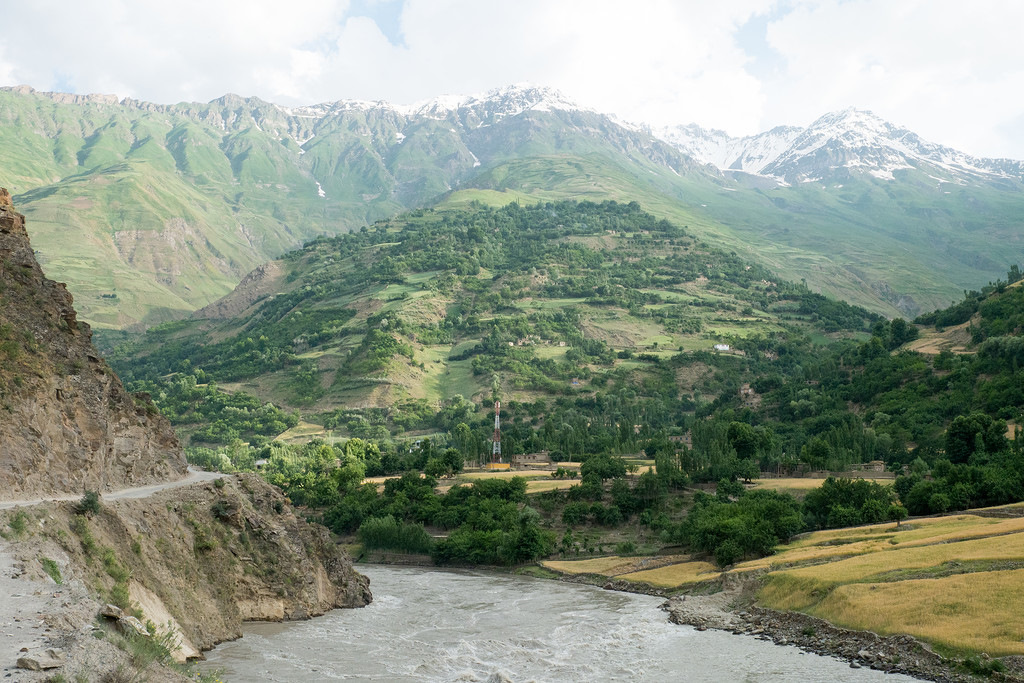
538 485
614 566
607 566
839 543
674 575
953 580
979 612
798 486
662 571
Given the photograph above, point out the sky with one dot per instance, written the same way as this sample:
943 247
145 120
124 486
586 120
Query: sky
949 70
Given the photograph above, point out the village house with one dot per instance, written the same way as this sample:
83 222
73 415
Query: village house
685 439
525 459
750 398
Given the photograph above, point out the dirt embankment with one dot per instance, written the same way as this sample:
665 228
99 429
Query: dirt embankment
198 560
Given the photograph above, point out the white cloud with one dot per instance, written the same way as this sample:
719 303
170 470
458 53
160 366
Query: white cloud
946 69
6 69
161 51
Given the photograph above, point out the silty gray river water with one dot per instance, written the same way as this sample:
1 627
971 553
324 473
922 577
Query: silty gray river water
432 625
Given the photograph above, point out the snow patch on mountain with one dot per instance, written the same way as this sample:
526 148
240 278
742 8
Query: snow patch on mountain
750 154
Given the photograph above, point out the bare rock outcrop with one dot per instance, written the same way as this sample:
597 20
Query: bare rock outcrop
254 287
66 422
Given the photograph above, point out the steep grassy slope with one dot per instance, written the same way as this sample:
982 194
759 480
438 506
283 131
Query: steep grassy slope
151 211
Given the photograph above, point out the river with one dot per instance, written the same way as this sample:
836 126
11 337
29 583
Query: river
433 625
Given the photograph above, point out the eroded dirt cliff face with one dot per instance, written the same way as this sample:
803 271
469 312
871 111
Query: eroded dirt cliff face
197 560
220 555
66 422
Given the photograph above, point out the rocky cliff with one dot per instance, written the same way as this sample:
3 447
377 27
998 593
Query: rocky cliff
66 422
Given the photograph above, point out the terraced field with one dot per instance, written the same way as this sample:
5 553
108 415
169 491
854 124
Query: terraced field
953 580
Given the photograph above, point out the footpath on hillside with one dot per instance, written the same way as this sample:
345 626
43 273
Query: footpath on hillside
194 476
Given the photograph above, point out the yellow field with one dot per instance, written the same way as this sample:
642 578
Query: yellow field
674 575
608 566
863 567
981 612
538 485
840 543
505 474
662 571
630 568
800 485
951 580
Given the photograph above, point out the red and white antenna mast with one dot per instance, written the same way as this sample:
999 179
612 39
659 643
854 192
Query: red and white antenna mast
496 440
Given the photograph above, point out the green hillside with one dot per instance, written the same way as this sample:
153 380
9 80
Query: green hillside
596 325
529 302
578 309
896 247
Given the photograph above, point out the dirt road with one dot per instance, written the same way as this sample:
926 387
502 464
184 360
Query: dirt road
193 477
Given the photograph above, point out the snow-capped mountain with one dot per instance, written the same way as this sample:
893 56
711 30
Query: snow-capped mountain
834 147
495 104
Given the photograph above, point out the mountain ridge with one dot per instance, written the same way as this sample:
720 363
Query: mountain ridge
171 205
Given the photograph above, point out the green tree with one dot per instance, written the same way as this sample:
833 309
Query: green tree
897 513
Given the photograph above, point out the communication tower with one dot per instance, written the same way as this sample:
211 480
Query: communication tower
496 439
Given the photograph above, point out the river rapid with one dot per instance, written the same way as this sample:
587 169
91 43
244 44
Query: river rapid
433 625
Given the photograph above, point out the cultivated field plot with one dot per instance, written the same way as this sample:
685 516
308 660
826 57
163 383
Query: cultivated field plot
615 566
952 580
980 612
606 566
798 486
674 575
505 474
539 485
306 431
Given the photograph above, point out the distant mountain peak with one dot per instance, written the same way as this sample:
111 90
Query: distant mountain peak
833 146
